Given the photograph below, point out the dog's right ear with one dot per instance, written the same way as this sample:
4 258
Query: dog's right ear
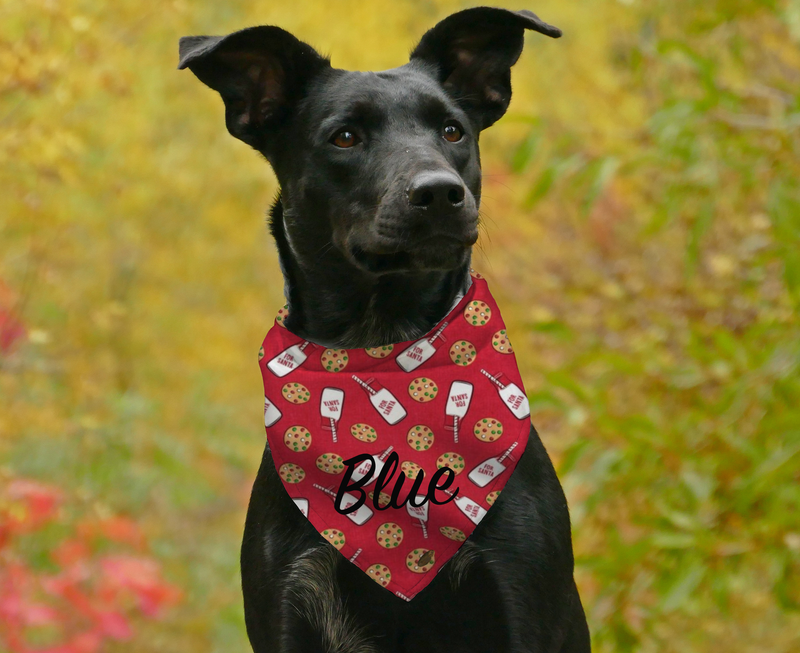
260 72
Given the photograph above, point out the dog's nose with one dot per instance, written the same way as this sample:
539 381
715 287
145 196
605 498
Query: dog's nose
437 190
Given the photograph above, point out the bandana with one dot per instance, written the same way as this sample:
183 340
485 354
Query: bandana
396 453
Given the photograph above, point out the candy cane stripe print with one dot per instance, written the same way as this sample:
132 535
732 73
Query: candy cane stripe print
396 452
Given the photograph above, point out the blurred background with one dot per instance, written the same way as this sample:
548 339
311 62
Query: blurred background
641 230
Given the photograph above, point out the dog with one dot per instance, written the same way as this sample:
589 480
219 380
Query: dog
380 186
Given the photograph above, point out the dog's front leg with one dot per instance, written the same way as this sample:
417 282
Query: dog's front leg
526 543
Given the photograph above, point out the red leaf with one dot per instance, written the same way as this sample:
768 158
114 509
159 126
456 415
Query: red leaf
114 625
87 642
11 330
122 529
142 577
91 599
70 552
40 501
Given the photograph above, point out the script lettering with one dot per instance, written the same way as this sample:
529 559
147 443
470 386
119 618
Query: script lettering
441 480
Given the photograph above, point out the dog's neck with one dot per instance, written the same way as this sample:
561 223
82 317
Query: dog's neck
336 304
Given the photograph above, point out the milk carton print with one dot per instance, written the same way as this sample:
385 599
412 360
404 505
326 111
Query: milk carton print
331 404
458 400
415 355
511 394
490 469
271 413
358 517
302 504
289 359
387 405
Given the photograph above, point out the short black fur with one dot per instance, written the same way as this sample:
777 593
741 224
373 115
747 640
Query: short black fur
374 226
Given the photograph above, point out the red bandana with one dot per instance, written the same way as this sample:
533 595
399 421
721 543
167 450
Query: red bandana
438 423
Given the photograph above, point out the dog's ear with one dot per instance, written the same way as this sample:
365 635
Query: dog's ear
472 52
260 72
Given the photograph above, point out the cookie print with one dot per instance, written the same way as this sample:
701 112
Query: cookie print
488 429
380 352
420 560
420 438
295 393
411 470
389 535
334 360
492 497
283 313
363 432
474 274
383 499
453 533
297 438
291 473
261 353
335 537
380 574
477 313
500 342
330 463
463 353
423 389
452 460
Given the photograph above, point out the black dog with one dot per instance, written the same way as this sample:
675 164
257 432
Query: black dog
380 186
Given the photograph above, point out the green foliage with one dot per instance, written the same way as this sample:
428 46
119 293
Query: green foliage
642 233
675 321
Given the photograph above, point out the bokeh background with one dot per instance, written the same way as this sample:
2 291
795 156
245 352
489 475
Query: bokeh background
641 229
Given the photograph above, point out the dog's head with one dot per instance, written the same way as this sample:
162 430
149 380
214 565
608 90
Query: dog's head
382 167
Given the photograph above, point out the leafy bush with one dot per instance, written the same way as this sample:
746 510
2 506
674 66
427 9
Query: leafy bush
66 588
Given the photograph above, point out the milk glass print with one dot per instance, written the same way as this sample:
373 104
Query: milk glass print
387 405
415 355
420 513
511 394
358 517
289 359
375 463
271 413
303 505
458 400
488 470
473 510
331 404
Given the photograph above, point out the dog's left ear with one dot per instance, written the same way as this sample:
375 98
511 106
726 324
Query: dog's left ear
260 72
472 52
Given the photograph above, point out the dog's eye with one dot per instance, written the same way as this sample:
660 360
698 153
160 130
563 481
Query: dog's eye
345 139
452 132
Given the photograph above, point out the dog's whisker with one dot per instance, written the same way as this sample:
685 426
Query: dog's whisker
325 248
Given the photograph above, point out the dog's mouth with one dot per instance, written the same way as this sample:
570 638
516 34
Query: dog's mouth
436 253
380 263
